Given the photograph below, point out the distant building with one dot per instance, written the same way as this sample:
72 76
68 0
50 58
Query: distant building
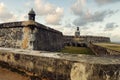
79 40
77 33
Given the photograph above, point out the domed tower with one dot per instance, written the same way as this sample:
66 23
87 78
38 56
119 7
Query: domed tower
77 33
32 15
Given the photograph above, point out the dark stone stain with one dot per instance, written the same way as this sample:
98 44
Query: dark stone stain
17 56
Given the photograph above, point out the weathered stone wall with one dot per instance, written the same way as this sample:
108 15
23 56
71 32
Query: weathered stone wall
85 39
48 40
58 66
30 35
98 50
11 37
96 39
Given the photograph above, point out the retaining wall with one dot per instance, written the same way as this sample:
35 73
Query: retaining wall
58 66
98 50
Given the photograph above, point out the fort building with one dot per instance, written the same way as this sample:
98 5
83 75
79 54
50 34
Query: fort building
43 65
35 36
30 35
80 40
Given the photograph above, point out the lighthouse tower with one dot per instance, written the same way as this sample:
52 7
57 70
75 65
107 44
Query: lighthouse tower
77 33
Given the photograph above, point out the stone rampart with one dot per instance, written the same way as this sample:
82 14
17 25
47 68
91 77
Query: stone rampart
96 39
99 50
58 66
30 35
74 41
48 39
11 37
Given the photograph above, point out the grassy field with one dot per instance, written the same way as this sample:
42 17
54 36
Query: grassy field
112 46
76 50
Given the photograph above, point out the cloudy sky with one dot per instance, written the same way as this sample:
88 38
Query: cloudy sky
94 17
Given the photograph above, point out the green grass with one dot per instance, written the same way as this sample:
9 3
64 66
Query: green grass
112 46
76 50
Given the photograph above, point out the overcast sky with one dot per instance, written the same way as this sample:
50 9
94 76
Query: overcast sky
94 17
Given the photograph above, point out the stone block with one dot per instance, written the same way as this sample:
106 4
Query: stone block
58 66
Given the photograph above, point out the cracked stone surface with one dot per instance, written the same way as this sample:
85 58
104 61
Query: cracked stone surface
58 66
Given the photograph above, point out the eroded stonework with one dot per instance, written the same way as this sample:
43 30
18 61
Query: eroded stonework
58 66
11 37
30 35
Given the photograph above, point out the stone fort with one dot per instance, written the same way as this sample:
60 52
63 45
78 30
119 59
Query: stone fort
30 35
79 40
42 65
33 35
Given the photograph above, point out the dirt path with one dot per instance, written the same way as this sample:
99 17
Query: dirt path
8 75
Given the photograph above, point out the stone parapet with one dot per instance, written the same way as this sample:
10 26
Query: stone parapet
102 51
27 23
86 39
58 66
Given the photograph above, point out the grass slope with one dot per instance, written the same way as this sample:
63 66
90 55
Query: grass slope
112 46
76 50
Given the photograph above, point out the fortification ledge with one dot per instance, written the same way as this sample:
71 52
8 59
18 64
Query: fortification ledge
58 66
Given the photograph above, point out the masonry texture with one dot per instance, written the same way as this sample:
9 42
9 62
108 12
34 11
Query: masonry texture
50 39
71 40
11 37
35 36
30 35
58 66
102 51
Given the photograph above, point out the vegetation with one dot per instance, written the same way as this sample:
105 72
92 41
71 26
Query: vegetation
76 50
112 46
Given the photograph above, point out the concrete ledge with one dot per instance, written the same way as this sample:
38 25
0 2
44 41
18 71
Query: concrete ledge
58 66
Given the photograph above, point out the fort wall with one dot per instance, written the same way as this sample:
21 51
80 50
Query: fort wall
95 39
101 51
48 39
11 37
58 66
69 40
30 35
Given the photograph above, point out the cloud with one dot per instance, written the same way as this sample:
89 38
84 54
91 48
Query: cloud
5 15
8 16
90 18
115 37
77 7
84 15
110 26
43 8
68 25
103 2
23 17
52 13
55 17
